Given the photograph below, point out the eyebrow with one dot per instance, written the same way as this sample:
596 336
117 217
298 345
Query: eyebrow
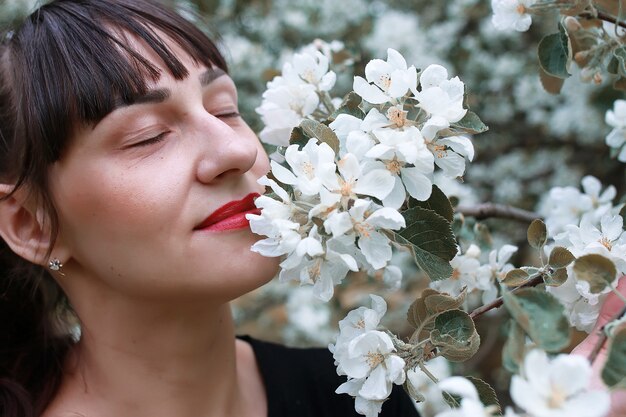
161 94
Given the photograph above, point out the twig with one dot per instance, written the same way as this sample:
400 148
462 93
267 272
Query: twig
602 337
603 16
533 282
487 210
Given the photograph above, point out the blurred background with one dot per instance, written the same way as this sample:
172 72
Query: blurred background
536 140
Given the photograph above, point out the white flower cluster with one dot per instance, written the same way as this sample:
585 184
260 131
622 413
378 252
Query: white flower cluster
333 211
469 273
366 355
616 118
563 206
512 14
294 95
585 223
607 239
557 387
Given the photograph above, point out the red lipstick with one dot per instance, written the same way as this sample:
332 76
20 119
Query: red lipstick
231 215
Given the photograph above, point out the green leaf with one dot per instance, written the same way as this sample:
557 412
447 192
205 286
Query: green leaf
437 202
471 123
558 277
321 132
620 54
515 278
613 66
597 270
486 394
614 372
426 307
620 84
541 316
413 393
298 137
537 234
560 257
351 106
454 401
551 84
514 348
622 213
455 335
430 239
554 53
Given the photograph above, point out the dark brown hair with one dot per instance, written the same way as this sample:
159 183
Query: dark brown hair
66 64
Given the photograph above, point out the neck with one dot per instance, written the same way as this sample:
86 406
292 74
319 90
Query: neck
142 361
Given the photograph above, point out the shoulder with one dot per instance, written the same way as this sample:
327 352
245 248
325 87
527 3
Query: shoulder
303 382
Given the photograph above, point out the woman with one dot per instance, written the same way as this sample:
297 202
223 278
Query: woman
125 175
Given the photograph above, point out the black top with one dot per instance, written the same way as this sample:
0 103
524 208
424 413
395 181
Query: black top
302 383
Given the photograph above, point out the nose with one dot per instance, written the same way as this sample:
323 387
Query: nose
226 151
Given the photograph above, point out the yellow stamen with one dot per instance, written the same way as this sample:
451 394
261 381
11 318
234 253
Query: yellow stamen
374 359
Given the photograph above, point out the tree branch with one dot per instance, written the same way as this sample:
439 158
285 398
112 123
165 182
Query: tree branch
533 282
603 16
488 210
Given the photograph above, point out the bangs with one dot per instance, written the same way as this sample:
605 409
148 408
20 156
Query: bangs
81 63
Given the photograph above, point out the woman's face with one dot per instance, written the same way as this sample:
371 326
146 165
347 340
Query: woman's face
131 192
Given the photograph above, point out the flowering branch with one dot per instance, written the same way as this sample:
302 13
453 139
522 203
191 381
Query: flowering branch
533 282
489 210
603 16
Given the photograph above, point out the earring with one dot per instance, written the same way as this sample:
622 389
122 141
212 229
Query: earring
55 264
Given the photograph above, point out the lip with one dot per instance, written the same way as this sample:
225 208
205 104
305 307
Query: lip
231 215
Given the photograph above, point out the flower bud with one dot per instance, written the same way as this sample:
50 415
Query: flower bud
581 56
572 24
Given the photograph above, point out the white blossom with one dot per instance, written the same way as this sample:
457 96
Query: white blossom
284 106
616 118
307 166
450 154
386 80
557 387
370 355
313 69
352 180
511 14
441 98
465 268
355 135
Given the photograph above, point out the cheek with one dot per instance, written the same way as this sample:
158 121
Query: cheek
112 202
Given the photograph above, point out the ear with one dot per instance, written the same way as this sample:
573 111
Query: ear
24 228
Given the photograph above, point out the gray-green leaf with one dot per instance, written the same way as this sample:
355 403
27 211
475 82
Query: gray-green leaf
455 335
537 234
437 202
471 123
554 53
514 348
541 316
321 132
614 372
427 306
560 257
597 270
486 394
515 278
351 106
556 278
430 239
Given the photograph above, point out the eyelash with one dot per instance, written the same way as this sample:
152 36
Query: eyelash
161 136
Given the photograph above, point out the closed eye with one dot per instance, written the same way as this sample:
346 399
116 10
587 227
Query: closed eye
155 139
228 115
